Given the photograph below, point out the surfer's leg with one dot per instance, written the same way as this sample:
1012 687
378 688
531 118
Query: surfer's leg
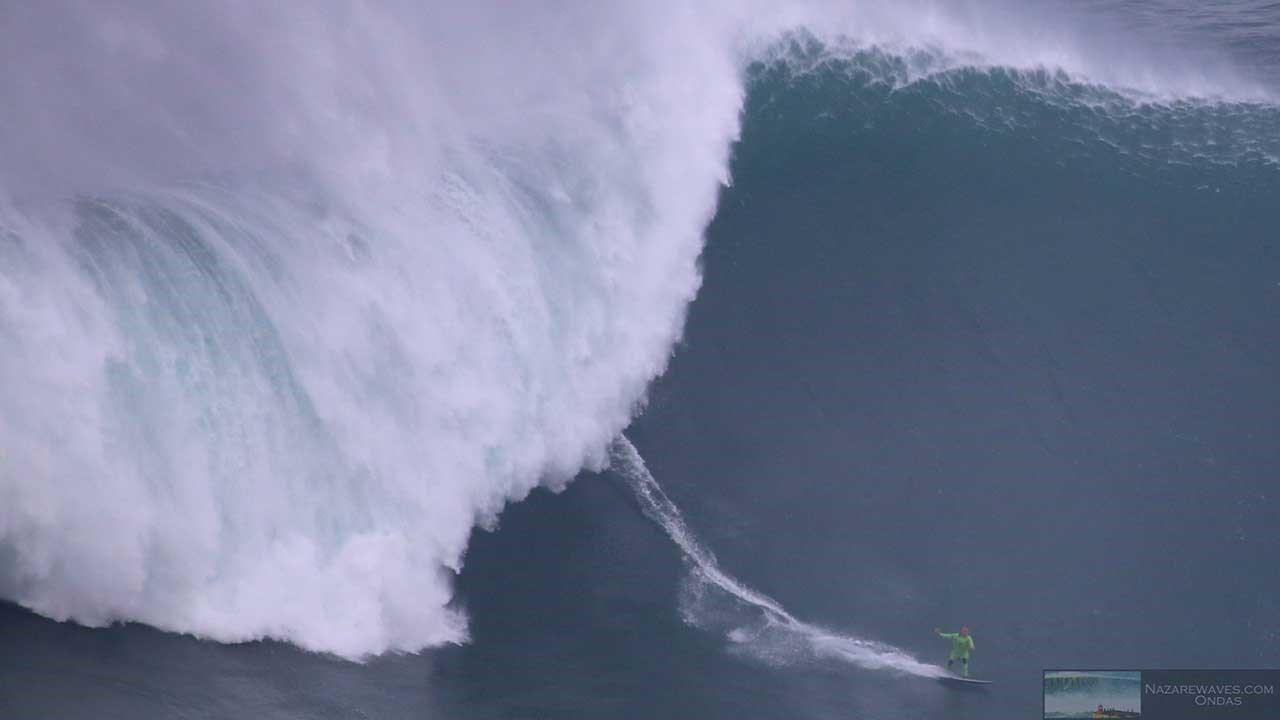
965 662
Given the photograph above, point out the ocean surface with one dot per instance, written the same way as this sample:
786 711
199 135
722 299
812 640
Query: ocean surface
620 360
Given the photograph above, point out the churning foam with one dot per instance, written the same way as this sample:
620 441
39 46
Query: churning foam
756 623
292 297
424 266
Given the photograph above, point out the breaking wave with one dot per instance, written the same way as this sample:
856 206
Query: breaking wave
293 299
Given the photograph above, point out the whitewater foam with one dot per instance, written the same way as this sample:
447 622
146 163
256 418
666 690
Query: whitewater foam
276 402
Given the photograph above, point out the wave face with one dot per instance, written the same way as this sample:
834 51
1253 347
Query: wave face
972 341
293 299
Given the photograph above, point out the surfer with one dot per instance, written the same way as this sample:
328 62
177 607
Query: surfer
961 646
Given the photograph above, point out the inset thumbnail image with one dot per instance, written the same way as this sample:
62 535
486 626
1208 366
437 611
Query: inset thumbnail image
1092 694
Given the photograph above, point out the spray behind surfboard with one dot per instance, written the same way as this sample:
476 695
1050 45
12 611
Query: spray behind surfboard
756 624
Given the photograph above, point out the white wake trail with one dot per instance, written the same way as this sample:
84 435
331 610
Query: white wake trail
757 624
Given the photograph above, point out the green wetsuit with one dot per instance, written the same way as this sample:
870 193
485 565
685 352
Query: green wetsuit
961 646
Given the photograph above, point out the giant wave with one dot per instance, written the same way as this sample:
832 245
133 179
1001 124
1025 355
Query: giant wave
293 299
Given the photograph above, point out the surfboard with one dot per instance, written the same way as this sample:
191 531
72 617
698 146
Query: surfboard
967 681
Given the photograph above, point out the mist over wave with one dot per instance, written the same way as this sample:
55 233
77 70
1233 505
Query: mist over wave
293 298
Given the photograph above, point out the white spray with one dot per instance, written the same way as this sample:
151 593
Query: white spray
756 623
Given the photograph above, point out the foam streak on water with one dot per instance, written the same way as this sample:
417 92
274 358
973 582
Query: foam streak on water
757 624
